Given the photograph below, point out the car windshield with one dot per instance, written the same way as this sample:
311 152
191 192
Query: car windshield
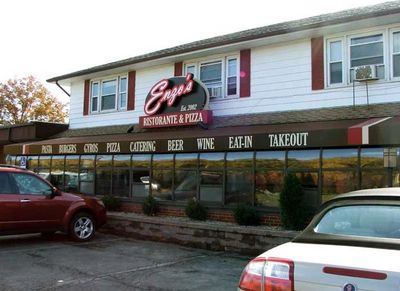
381 221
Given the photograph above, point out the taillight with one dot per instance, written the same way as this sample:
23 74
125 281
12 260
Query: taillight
272 274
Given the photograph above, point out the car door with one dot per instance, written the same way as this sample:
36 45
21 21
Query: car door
39 210
9 204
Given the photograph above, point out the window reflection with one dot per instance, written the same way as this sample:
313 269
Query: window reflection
306 159
71 174
211 176
239 177
372 158
44 167
86 174
121 175
57 172
337 182
186 178
141 176
33 163
340 158
268 186
103 174
161 182
270 159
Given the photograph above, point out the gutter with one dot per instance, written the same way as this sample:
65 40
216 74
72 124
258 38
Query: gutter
59 86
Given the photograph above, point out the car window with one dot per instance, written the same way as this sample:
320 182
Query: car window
5 184
30 184
381 221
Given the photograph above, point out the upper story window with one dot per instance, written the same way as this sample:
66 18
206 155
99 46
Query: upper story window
219 76
348 54
109 94
396 54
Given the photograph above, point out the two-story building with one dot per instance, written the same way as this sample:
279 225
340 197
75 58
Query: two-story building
224 119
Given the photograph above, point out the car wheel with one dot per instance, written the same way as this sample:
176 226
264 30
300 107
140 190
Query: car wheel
82 227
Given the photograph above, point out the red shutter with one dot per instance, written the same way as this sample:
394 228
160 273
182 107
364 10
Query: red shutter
317 66
131 90
178 69
86 93
245 62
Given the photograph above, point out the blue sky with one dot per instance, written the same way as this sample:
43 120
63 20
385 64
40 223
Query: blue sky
46 38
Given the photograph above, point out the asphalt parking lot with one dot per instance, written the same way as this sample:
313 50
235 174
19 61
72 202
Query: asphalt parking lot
108 262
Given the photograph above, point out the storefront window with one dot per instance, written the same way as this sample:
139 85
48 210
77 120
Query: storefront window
373 173
303 159
339 158
10 160
309 182
339 172
337 182
161 182
121 174
212 176
372 158
86 175
44 167
270 159
57 172
269 177
186 178
103 174
33 163
239 177
71 175
141 175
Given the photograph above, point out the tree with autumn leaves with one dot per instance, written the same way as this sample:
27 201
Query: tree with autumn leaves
25 100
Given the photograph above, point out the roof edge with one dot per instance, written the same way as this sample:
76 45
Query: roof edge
355 14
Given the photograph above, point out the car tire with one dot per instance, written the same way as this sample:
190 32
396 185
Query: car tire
82 227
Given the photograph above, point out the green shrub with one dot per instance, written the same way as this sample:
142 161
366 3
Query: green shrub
195 210
294 213
111 203
149 206
246 215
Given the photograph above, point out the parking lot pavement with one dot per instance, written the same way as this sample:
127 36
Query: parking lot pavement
108 262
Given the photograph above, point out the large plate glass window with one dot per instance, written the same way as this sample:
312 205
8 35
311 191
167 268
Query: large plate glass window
141 176
121 174
86 174
103 174
71 174
186 177
373 173
367 50
269 177
396 54
57 171
212 176
239 177
161 182
335 62
339 172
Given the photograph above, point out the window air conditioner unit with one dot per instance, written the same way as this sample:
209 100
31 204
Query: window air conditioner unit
365 73
215 92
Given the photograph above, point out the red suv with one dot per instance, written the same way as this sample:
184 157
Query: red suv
30 204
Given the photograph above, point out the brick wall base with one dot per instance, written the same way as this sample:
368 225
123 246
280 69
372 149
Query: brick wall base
218 215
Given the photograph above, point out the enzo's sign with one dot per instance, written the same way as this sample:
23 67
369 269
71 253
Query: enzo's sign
177 101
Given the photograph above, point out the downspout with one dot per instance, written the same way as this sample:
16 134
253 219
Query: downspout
59 86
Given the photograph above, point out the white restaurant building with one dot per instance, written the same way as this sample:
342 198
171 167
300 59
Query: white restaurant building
318 97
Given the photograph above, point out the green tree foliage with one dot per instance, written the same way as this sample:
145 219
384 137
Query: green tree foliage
246 215
294 213
195 210
25 100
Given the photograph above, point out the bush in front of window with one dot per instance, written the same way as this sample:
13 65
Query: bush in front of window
150 206
294 213
195 210
246 215
111 203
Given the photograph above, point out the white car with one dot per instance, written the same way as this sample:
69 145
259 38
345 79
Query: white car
352 244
